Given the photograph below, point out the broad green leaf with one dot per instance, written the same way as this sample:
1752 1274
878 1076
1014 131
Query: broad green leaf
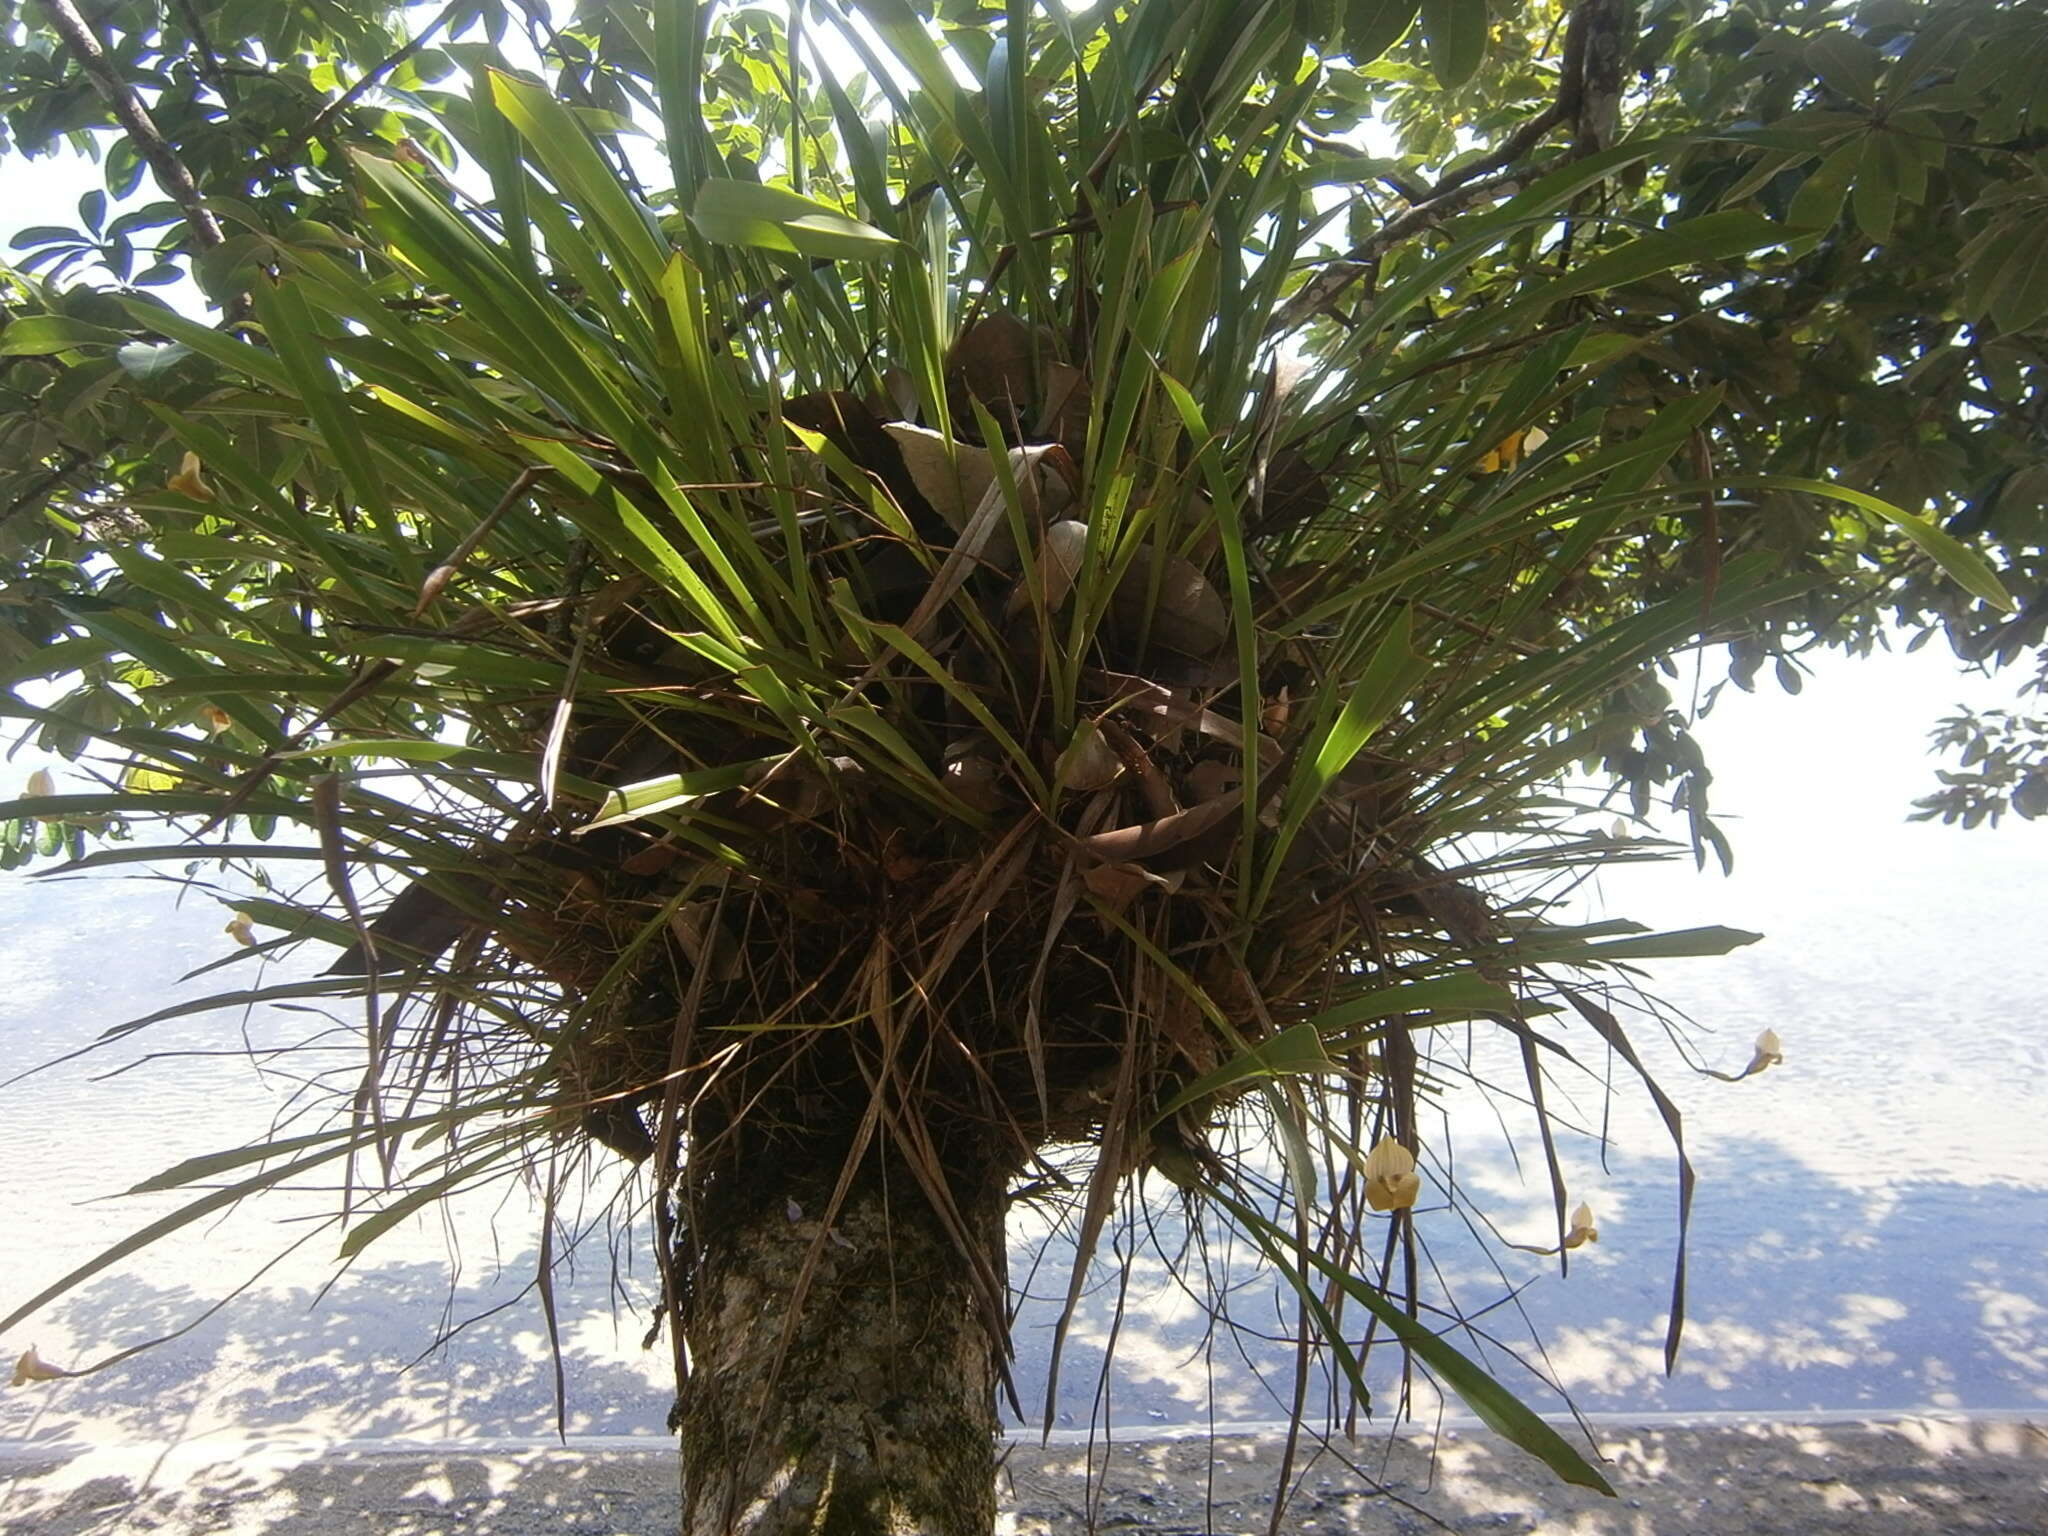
211 1165
619 226
1874 196
1684 943
1455 996
1456 31
1371 27
408 749
672 791
1710 237
1961 564
151 360
1818 202
1846 64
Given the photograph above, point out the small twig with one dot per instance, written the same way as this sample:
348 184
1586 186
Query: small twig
77 459
1473 627
1518 144
208 63
443 573
757 302
1327 285
355 93
1460 188
171 172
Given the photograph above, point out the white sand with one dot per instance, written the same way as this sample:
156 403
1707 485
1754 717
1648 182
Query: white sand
1900 1479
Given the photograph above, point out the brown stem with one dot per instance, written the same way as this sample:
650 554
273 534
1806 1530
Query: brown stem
1518 144
134 118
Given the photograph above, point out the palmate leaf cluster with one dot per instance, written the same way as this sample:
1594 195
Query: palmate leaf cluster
1024 589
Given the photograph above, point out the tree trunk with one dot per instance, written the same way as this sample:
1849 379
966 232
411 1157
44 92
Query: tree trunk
881 1417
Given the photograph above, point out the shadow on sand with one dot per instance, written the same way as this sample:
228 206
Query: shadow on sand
280 1416
1902 1479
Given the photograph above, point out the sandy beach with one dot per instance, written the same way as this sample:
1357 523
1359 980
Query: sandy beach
1866 1350
1915 1475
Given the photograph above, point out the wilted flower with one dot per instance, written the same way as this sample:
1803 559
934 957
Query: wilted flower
1582 1229
214 718
40 784
1769 1051
188 481
33 1367
241 927
1391 1182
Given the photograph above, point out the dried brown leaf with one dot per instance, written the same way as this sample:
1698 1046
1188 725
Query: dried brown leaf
1189 615
1149 839
996 361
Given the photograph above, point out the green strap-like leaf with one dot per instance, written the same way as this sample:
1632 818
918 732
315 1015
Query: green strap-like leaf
731 212
40 335
1499 1408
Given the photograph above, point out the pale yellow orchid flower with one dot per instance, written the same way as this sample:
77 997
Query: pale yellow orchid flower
1770 1051
33 1367
1582 1229
1511 450
241 928
41 784
214 718
188 481
1391 1182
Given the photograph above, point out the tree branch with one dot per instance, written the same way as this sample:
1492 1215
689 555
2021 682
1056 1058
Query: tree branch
1588 37
75 460
1328 284
171 172
355 93
1517 144
206 60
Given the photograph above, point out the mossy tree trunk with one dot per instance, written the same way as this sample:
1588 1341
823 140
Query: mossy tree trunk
879 1415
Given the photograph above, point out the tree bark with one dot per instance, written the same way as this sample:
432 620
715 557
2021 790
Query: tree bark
880 1417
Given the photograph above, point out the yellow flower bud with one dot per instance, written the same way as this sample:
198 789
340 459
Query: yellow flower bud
241 927
1770 1052
40 784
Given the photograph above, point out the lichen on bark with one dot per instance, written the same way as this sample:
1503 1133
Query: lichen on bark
867 1405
